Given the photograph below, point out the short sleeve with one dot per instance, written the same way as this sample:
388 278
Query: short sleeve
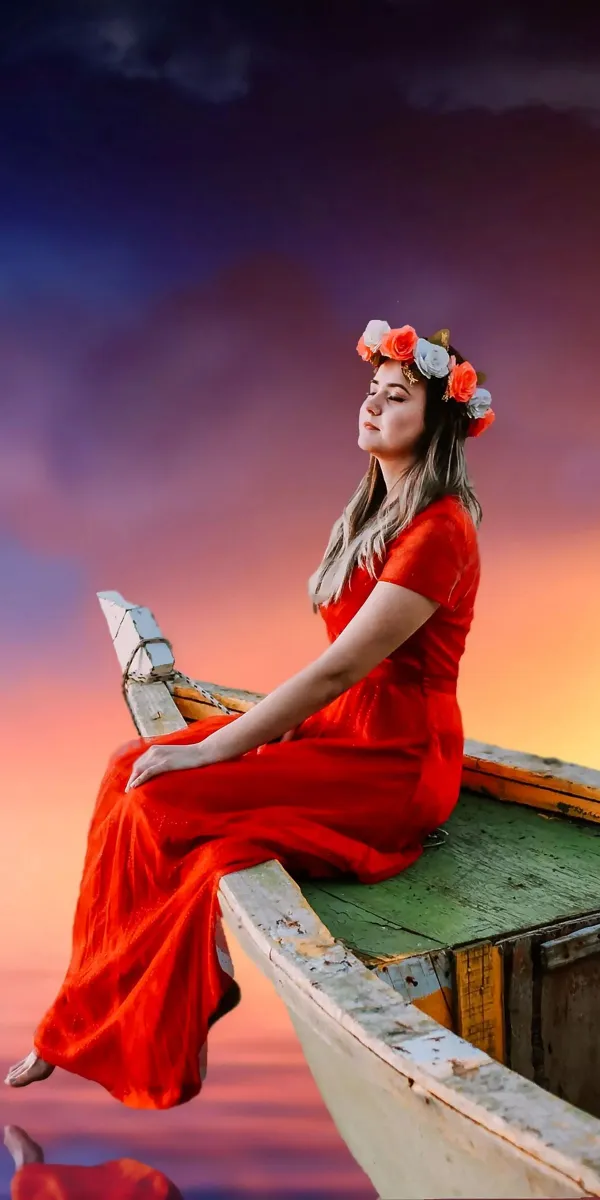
430 556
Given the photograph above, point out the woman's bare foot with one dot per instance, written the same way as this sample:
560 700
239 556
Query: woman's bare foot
22 1148
28 1070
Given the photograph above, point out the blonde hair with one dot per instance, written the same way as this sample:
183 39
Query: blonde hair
372 517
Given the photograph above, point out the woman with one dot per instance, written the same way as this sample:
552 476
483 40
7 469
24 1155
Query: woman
371 762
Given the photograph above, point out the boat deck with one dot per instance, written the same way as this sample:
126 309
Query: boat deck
504 867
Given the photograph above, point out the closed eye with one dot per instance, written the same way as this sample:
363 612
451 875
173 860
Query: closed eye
391 396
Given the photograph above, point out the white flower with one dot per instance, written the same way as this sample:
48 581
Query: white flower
479 403
431 360
374 332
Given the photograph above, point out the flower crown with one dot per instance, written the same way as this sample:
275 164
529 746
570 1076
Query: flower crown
431 357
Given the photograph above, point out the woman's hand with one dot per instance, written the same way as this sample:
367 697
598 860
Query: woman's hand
160 758
286 737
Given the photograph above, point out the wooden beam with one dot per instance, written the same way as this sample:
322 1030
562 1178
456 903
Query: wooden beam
193 705
424 980
131 626
153 709
479 991
148 665
237 699
545 783
581 943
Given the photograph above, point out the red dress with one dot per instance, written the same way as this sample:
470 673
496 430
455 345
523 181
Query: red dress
122 1179
355 792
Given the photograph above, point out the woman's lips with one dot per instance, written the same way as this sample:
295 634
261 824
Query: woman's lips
369 425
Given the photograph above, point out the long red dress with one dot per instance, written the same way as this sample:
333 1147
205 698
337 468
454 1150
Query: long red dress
356 791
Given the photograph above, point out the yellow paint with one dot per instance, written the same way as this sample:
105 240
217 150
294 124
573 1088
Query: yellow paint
533 794
194 707
480 998
437 1005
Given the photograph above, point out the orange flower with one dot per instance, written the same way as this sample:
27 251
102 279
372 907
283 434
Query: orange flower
480 424
399 343
462 384
365 351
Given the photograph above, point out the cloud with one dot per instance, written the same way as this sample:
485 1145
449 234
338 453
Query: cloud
501 62
210 59
496 62
506 83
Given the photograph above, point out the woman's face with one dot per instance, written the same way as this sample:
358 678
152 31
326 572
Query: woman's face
397 410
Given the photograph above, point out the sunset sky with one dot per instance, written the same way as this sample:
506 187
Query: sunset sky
200 209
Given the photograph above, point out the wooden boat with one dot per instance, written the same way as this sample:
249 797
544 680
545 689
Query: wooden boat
449 1015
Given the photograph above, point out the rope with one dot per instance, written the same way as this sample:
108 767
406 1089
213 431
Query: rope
140 646
442 835
125 677
208 696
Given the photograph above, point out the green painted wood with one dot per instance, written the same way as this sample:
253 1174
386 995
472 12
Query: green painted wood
367 932
504 868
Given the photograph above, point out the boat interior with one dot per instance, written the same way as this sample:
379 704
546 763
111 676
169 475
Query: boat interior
495 931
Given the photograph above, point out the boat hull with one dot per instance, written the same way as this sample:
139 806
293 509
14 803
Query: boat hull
411 1138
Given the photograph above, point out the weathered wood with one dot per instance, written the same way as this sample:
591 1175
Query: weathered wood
545 783
238 696
503 869
366 933
153 709
581 943
195 706
129 624
548 1022
424 980
570 1032
518 981
421 1110
479 998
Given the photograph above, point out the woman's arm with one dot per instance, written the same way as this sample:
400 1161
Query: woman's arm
387 618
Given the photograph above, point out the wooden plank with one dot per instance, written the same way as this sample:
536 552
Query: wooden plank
367 934
582 943
503 869
194 710
523 980
153 709
479 998
547 783
131 626
513 791
518 982
238 696
570 1033
424 980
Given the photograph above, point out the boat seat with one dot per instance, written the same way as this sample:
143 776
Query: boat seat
503 867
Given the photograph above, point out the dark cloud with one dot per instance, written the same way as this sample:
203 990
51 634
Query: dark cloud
471 57
210 58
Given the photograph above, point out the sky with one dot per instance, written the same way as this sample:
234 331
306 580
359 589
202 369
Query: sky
200 209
